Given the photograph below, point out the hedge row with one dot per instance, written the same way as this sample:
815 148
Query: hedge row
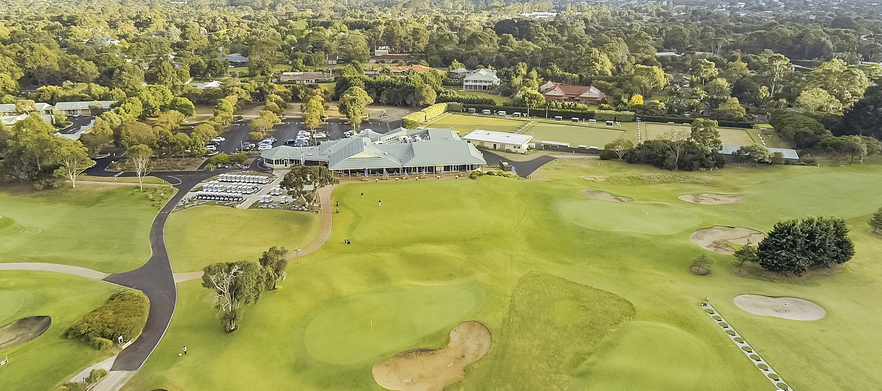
123 314
413 120
467 99
610 115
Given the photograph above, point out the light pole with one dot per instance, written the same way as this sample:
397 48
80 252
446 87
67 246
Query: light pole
297 251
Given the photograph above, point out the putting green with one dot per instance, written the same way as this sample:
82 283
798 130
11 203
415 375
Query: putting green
639 217
342 333
646 355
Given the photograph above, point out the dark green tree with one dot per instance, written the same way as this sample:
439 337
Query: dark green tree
235 285
797 246
876 220
275 261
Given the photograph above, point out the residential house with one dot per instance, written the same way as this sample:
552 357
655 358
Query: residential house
82 108
235 59
306 77
729 153
458 73
480 80
588 95
501 141
332 61
211 84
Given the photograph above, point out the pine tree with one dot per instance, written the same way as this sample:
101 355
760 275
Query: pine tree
876 221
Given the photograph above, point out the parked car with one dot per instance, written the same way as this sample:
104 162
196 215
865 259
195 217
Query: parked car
349 133
211 147
290 141
301 143
319 135
218 139
303 133
264 147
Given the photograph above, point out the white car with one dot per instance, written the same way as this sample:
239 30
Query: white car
218 139
303 133
211 147
349 133
319 135
264 147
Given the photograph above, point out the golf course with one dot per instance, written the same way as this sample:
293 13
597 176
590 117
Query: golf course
541 265
580 274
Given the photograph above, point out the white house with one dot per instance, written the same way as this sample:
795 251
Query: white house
82 108
480 80
502 141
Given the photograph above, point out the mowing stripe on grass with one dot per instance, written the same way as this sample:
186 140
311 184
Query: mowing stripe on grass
748 351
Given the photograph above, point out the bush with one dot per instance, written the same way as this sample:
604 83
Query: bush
777 158
701 266
763 367
730 332
96 375
476 174
800 245
102 344
739 339
454 107
608 155
747 349
123 314
754 357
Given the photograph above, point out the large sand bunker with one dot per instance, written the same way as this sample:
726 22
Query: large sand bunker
713 198
23 330
780 307
432 370
717 238
604 196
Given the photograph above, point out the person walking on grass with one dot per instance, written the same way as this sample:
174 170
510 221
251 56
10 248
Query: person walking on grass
381 203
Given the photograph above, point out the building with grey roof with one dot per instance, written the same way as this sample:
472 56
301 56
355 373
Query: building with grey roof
82 108
729 153
401 151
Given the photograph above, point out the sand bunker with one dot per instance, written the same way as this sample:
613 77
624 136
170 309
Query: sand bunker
604 196
23 330
432 370
717 238
713 199
780 307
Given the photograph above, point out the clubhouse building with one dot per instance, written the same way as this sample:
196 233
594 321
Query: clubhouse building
400 152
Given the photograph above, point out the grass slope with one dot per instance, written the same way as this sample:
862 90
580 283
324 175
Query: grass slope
483 236
552 325
205 235
49 359
102 227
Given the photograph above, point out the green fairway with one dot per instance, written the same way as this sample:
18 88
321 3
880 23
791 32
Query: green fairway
198 237
730 136
648 355
441 252
465 123
49 359
364 327
581 134
102 227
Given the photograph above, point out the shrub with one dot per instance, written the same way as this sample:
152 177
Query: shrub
96 375
716 318
774 377
701 266
123 314
739 339
730 332
476 174
102 344
763 367
754 357
454 107
609 115
747 349
723 325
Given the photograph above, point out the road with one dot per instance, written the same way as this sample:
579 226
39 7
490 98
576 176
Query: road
155 278
523 169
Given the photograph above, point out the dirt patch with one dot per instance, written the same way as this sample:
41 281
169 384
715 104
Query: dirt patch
713 199
432 370
780 307
717 238
23 330
604 196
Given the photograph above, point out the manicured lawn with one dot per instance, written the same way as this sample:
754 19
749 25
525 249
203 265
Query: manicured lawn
465 123
48 359
441 252
581 134
500 100
101 227
204 235
731 136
